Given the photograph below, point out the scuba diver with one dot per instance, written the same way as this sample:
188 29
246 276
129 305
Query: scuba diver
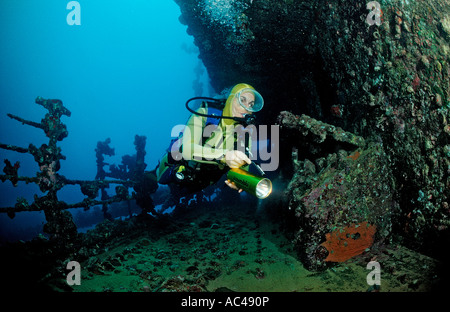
207 147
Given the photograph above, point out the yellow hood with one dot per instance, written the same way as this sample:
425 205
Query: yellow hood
228 105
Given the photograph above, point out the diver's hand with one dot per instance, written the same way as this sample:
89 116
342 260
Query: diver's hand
236 159
233 185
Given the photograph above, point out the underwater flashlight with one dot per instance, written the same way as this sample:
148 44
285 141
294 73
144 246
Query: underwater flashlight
258 186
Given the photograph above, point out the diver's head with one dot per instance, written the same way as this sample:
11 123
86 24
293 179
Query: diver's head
246 101
243 100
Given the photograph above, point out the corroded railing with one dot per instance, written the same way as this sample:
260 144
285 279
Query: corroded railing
59 222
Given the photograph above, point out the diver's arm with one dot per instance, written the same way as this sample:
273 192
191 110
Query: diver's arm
192 142
194 150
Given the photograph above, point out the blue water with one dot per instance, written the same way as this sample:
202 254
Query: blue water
127 69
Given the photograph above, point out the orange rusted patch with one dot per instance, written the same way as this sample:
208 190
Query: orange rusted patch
345 243
355 155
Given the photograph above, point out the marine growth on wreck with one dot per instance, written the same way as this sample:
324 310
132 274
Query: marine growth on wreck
59 222
361 94
386 81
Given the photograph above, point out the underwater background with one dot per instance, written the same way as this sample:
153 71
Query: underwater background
127 69
358 92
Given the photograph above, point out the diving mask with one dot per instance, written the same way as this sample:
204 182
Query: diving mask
250 100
